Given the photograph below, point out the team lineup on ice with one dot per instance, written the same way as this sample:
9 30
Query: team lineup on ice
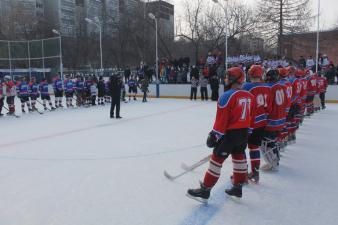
76 165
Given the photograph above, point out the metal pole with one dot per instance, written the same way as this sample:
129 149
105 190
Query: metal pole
29 61
226 37
61 64
157 78
9 59
317 47
43 58
101 49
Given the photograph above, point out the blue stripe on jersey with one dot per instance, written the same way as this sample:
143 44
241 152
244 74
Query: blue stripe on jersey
250 86
275 123
261 118
224 99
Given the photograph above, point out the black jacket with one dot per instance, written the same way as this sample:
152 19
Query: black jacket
115 86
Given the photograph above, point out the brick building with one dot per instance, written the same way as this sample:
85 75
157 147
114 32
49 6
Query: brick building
304 44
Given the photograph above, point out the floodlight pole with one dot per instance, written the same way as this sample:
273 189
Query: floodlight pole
60 44
153 17
317 44
226 31
100 29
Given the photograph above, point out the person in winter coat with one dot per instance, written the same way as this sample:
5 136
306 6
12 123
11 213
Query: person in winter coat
194 85
115 86
144 88
101 91
214 85
204 90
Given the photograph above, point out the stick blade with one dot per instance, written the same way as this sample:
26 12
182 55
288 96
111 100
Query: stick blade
185 167
167 175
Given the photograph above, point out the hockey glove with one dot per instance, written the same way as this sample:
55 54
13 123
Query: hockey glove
212 140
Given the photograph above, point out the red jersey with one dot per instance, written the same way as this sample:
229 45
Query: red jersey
312 85
303 93
235 109
10 88
277 116
296 90
321 84
288 92
263 106
1 90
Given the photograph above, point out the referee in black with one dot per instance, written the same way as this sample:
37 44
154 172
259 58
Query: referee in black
115 86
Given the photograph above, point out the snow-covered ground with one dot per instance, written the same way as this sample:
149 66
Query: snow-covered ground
79 167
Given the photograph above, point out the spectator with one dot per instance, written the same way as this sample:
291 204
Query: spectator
310 62
330 74
194 85
302 61
204 88
127 73
144 88
214 85
194 72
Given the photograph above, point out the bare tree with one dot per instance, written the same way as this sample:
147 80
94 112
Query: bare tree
280 17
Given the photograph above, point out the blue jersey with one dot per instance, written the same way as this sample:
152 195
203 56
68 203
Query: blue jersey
132 83
69 86
58 85
23 89
34 89
44 89
79 85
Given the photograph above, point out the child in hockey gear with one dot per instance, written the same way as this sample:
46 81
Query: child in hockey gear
58 91
69 91
229 137
23 94
144 88
322 86
44 90
276 120
34 92
132 84
79 88
261 92
10 93
194 85
101 91
93 92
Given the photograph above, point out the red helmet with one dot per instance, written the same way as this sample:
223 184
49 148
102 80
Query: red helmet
235 75
283 72
256 71
300 73
291 70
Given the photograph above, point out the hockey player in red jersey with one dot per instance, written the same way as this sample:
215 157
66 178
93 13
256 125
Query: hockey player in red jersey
276 120
10 93
292 123
261 92
321 87
229 136
283 76
301 74
311 92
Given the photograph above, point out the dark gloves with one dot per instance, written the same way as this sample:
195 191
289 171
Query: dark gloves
212 140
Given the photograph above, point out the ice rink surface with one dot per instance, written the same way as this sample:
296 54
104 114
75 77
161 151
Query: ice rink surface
79 167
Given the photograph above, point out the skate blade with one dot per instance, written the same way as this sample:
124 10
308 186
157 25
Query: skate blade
201 200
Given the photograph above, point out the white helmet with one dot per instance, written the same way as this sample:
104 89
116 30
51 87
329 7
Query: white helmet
7 77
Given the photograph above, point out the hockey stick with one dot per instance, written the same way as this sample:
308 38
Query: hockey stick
43 105
188 169
195 165
17 116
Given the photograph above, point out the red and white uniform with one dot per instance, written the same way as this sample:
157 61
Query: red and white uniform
276 118
312 85
235 110
322 84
